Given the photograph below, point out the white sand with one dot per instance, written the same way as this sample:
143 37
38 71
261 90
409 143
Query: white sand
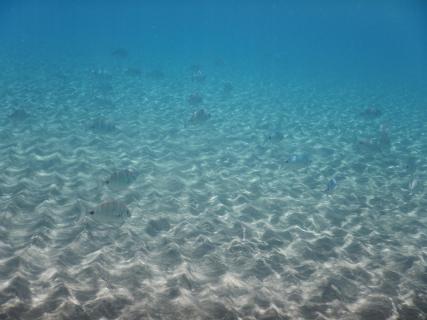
221 227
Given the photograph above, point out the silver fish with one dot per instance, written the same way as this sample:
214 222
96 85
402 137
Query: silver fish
331 185
299 160
121 178
110 212
413 184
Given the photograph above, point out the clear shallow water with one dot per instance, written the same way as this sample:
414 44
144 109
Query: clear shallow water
220 214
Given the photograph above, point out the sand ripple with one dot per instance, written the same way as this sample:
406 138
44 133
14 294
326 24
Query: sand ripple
222 224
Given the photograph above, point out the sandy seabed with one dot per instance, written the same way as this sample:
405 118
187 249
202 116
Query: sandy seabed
222 223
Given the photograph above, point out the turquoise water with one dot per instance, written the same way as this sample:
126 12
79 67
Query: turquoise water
213 160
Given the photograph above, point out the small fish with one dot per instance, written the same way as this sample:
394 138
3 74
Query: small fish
120 179
413 184
195 99
331 185
102 125
227 88
156 74
111 212
276 136
371 113
120 53
198 76
133 72
298 160
19 114
199 116
411 165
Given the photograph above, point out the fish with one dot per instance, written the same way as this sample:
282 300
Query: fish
331 185
298 160
227 88
156 74
195 99
19 115
120 53
413 184
199 116
198 76
371 113
411 165
112 212
133 72
121 178
102 125
276 136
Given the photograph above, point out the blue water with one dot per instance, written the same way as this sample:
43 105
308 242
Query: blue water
213 160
